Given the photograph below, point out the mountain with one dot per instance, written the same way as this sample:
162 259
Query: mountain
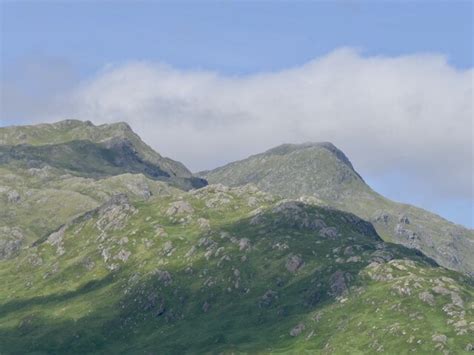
228 270
323 172
112 148
50 173
106 248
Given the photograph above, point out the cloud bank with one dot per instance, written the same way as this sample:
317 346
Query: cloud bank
410 114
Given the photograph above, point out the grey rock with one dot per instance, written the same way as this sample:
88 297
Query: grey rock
268 298
297 330
427 298
160 232
329 232
294 263
179 208
457 300
404 219
56 239
13 196
439 338
252 201
441 290
337 284
11 241
122 255
205 307
204 224
244 244
114 214
190 252
381 217
168 247
88 263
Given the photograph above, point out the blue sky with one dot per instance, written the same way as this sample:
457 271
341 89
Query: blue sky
235 38
48 48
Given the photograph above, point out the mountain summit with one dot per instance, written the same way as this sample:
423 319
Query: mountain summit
323 172
293 170
110 148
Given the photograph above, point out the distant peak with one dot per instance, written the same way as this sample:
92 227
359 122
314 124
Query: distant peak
72 123
124 126
288 148
78 123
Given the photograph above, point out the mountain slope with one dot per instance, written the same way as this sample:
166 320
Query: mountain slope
50 173
322 171
106 135
224 270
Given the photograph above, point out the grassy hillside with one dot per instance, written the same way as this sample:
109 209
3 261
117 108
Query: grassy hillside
322 172
105 249
223 271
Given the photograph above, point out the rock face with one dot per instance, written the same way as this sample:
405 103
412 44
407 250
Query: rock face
322 172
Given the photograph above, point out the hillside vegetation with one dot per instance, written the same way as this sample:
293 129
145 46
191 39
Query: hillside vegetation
323 172
107 248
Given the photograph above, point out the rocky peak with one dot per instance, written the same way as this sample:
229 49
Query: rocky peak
290 148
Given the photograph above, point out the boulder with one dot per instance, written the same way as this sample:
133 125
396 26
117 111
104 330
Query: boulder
244 244
427 298
439 338
11 241
337 283
179 208
205 307
329 232
297 330
204 224
13 196
294 263
268 298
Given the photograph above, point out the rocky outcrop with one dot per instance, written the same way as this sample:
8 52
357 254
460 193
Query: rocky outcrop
179 208
11 241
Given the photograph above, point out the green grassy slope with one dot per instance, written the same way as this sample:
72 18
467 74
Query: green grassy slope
36 201
221 270
322 172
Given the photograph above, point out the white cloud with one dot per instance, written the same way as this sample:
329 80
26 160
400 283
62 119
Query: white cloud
410 113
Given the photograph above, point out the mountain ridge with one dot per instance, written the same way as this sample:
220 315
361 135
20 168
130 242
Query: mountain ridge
70 130
98 256
323 171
